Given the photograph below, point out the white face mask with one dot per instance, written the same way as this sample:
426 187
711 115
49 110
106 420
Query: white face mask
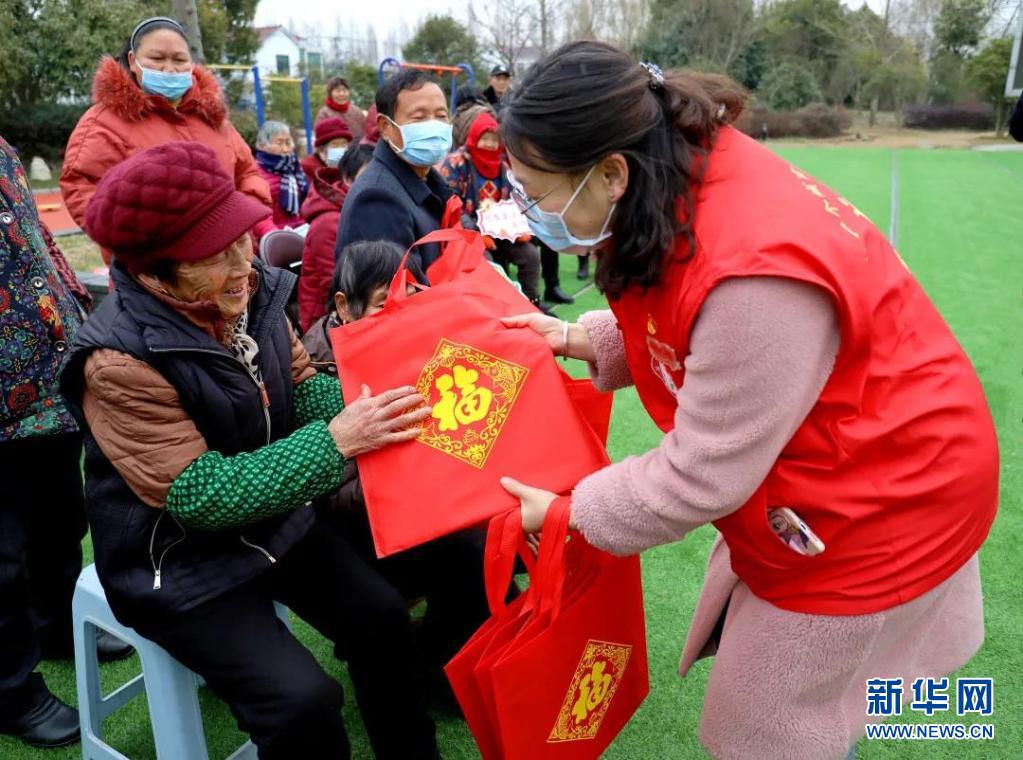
550 226
426 142
334 155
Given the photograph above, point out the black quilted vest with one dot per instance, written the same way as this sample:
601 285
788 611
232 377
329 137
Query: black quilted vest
149 564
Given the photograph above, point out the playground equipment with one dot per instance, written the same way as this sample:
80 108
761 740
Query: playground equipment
390 66
260 102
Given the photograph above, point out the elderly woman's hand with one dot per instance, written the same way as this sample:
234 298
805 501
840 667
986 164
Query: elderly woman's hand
372 422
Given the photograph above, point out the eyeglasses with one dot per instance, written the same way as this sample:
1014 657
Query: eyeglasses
524 202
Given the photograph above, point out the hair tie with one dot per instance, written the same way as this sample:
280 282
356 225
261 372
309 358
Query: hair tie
722 110
655 74
143 24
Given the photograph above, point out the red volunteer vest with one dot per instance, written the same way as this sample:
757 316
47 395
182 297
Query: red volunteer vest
896 466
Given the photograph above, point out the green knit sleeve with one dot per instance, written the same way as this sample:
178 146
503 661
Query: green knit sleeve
217 492
318 398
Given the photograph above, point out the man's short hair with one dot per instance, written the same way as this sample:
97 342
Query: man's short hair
406 79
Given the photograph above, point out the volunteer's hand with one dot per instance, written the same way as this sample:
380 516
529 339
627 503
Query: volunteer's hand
552 330
372 422
489 243
535 503
524 239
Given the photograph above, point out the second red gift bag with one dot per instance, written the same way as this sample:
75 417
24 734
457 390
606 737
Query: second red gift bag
500 407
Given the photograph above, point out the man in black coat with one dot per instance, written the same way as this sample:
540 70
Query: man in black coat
1016 121
399 196
500 83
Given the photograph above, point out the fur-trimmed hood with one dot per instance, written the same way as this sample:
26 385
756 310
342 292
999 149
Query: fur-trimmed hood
113 87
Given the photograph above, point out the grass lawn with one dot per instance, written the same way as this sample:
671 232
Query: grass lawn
958 222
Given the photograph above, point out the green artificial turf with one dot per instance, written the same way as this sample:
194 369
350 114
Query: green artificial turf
959 219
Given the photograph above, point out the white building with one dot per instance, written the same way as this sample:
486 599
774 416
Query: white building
283 53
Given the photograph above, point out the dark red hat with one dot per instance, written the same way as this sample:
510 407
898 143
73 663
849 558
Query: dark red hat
174 201
330 129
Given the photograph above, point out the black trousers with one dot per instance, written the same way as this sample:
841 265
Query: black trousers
549 267
447 571
275 688
42 523
526 260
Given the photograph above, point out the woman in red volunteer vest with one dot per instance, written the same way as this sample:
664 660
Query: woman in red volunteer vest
815 406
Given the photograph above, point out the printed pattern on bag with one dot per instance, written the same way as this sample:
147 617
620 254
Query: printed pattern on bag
472 394
600 670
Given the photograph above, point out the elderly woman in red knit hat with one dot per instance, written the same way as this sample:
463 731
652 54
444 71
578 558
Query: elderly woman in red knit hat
207 436
331 139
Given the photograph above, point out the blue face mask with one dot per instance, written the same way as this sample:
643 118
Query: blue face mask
334 155
426 142
171 84
550 226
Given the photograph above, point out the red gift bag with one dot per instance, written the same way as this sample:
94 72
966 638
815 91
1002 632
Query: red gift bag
582 627
499 404
593 405
504 543
463 256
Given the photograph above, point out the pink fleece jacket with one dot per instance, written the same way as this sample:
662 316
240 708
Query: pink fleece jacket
784 684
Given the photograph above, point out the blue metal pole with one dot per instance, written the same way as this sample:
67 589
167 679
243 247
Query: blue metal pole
468 70
454 82
258 94
381 76
308 116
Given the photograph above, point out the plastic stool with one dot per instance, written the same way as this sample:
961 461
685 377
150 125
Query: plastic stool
171 688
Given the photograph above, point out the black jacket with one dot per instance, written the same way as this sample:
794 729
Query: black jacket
133 540
390 202
495 100
1016 121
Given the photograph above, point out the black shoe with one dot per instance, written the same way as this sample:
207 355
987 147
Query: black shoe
545 308
557 295
584 268
49 723
109 648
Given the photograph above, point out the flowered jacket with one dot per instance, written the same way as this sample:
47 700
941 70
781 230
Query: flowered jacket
471 186
42 306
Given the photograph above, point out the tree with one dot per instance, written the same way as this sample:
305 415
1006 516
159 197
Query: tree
810 32
184 12
945 77
362 79
789 86
444 41
958 29
50 47
878 68
714 33
960 24
985 73
506 29
233 20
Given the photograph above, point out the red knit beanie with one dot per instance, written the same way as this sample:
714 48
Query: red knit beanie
330 129
172 202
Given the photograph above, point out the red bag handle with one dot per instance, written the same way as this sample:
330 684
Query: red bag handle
396 290
548 582
505 541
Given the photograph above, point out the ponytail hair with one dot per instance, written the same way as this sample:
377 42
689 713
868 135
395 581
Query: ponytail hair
587 100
